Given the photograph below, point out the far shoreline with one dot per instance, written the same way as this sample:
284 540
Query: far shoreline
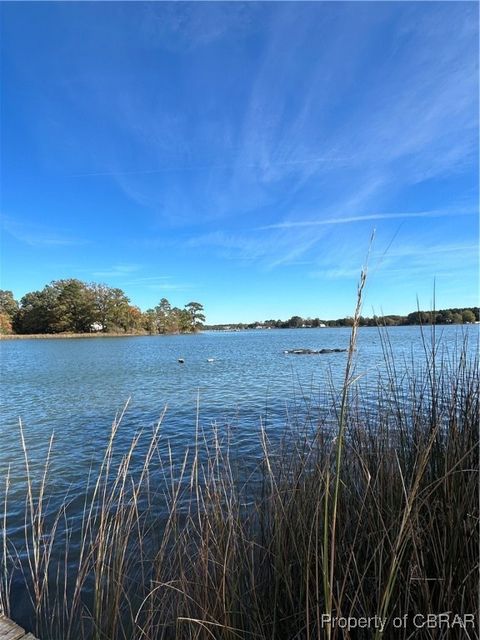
69 336
74 336
97 335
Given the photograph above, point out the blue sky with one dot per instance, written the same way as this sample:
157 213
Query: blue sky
241 154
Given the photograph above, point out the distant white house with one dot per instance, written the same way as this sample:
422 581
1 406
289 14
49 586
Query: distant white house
96 326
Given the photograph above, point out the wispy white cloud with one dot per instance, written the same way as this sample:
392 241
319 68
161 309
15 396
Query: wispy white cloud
415 116
463 249
339 273
117 271
310 122
38 235
174 168
130 275
403 261
181 286
188 26
435 213
280 244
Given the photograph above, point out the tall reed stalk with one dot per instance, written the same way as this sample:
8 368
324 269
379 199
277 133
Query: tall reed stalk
330 534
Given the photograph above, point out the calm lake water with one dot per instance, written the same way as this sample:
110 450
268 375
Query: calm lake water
75 387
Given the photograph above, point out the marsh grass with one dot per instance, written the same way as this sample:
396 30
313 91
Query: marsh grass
379 518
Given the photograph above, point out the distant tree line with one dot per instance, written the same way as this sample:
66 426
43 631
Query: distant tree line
72 306
444 316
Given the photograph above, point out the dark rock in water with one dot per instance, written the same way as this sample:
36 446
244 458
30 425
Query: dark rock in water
310 352
181 360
